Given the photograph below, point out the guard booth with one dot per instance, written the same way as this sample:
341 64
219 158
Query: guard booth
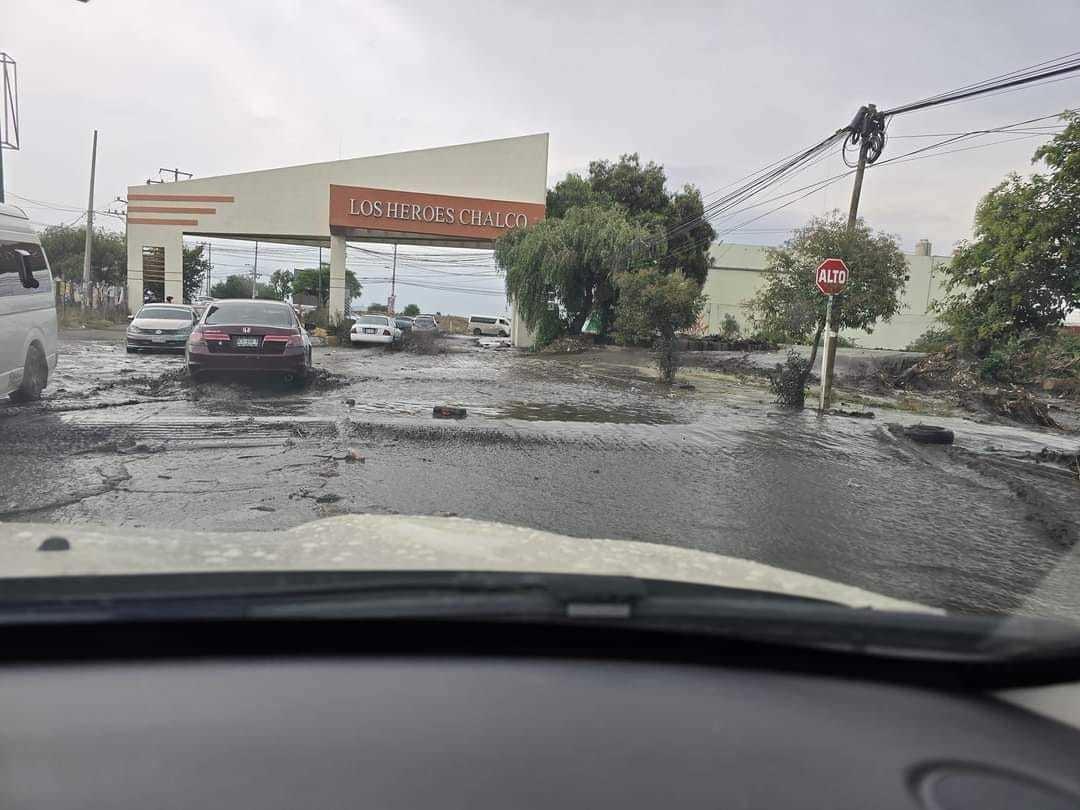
454 196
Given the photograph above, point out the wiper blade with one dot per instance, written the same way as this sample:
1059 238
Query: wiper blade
617 602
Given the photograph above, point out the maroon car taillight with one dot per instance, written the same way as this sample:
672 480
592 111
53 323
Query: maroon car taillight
288 340
199 337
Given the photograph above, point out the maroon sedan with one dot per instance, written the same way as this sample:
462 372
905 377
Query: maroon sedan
239 335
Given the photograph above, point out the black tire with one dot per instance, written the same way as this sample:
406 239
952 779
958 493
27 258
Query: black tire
929 434
477 332
35 376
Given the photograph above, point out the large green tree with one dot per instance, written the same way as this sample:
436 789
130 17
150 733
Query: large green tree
196 267
1020 274
66 246
313 281
790 308
566 265
654 306
239 286
281 282
411 310
641 191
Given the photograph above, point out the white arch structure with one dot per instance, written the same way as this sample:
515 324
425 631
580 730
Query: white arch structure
452 196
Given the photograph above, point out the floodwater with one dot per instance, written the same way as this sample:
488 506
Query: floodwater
583 445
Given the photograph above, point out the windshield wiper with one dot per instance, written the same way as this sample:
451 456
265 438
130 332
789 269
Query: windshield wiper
607 601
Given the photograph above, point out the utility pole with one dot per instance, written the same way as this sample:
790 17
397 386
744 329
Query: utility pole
209 267
866 120
318 276
393 285
255 270
89 224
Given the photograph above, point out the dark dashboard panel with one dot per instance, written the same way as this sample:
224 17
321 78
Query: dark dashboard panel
400 732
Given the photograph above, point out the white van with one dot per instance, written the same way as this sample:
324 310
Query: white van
27 308
489 325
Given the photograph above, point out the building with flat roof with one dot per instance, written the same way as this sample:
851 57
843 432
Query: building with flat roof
737 272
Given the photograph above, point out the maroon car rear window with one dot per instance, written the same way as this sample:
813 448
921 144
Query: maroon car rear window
256 313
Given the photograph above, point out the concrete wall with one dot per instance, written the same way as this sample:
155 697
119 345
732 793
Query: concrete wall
738 272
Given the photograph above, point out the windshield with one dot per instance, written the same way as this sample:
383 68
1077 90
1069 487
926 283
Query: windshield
789 295
170 313
254 312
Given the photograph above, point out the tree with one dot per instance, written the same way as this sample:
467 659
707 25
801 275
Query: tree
240 287
1020 275
412 310
657 305
307 281
568 263
689 236
641 191
281 283
571 191
196 266
376 307
790 308
66 246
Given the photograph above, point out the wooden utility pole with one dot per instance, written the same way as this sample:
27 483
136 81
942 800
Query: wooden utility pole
832 313
89 225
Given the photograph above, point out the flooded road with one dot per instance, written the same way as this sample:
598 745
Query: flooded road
585 445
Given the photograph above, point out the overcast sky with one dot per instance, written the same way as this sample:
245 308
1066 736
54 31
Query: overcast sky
711 91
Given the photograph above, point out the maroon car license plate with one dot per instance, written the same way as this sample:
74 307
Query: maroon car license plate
247 342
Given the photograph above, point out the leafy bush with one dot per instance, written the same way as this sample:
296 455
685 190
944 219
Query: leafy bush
788 380
550 327
729 329
933 339
657 305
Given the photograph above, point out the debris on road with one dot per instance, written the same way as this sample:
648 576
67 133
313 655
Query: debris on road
350 402
448 412
354 455
851 414
55 544
929 434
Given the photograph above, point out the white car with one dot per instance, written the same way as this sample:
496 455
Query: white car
27 309
374 329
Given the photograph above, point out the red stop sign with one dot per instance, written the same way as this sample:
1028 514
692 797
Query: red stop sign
832 276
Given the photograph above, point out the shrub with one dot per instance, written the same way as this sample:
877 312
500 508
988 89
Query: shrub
729 329
788 380
933 339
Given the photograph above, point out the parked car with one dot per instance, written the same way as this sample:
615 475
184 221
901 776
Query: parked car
403 322
242 335
425 323
374 329
27 309
489 325
161 327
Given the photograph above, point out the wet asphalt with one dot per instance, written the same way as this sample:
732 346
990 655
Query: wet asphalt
585 445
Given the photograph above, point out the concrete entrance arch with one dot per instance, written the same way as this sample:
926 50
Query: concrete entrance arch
453 196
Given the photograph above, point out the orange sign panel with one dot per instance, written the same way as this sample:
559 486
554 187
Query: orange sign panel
436 214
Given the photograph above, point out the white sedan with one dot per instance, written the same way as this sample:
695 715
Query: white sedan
374 329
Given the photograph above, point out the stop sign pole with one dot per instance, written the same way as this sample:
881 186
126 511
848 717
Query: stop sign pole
831 277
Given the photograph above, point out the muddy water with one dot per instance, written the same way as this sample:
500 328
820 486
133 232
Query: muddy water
586 446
